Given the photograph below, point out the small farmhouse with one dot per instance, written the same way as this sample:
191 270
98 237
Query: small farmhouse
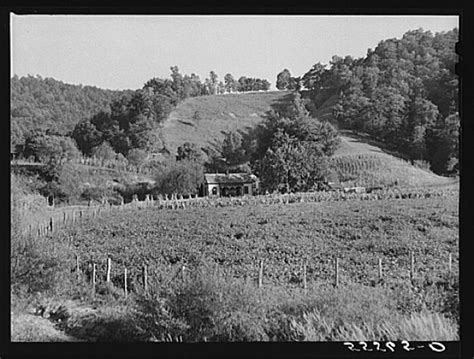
232 184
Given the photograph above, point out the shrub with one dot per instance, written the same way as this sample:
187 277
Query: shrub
182 177
207 307
98 193
137 157
37 264
139 189
155 319
104 152
424 165
112 323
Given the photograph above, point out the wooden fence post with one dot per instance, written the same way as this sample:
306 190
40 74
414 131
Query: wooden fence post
109 267
145 279
336 272
450 263
305 287
260 274
380 269
77 267
412 266
125 282
94 268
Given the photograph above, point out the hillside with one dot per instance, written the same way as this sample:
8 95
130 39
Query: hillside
362 162
46 103
358 161
217 114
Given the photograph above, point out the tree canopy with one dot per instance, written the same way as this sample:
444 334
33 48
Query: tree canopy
401 93
292 149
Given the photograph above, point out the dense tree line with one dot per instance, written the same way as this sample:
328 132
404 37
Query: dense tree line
404 92
46 103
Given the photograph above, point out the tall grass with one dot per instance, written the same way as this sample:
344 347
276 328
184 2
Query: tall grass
207 307
424 326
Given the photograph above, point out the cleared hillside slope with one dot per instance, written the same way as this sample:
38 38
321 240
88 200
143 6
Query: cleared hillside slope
217 115
358 161
362 162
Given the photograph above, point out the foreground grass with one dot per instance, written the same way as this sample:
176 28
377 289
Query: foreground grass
31 328
213 307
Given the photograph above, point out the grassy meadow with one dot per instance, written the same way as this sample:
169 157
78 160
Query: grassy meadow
218 114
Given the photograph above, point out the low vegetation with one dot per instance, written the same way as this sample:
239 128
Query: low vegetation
218 298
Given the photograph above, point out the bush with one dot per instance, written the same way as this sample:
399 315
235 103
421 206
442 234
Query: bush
207 308
424 165
104 152
98 193
182 177
155 319
112 323
37 264
137 157
138 189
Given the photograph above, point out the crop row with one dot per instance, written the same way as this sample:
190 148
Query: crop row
70 215
285 237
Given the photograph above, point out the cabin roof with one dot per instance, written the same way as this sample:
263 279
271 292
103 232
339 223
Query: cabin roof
217 178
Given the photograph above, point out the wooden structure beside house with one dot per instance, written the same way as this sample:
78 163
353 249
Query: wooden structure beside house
232 184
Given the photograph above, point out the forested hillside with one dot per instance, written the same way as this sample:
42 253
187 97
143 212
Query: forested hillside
404 93
46 103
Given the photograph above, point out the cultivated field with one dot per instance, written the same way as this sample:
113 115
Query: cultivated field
221 249
361 162
283 235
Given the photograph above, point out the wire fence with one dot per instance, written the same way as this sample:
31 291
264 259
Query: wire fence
70 215
137 279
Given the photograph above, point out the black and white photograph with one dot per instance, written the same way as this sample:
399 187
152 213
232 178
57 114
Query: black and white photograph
235 178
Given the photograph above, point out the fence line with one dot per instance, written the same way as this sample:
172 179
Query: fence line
180 274
173 202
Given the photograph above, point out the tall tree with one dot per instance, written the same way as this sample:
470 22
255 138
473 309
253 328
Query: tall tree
178 82
213 82
292 149
183 177
232 149
230 83
189 152
283 80
86 136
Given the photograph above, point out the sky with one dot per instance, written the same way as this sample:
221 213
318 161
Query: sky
123 52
